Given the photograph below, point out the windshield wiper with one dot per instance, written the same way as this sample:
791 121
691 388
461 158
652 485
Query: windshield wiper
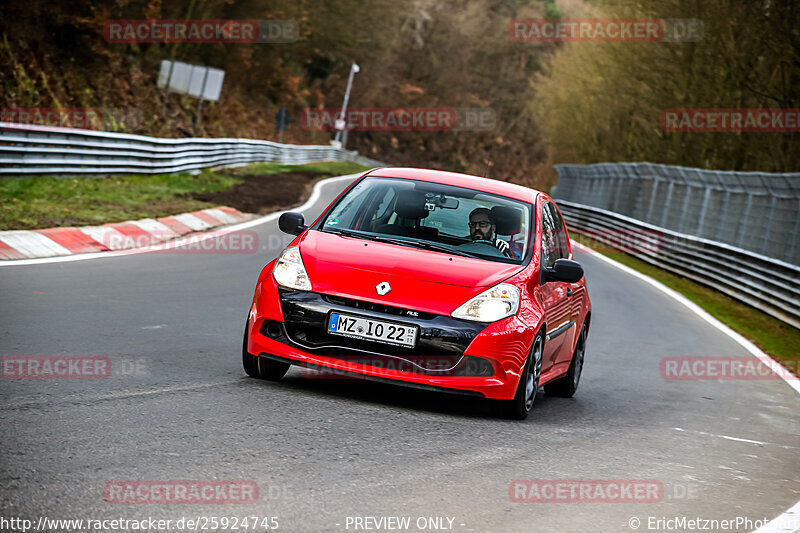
401 242
440 248
370 236
361 235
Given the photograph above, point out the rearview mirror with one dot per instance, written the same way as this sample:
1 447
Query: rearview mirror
292 223
432 201
565 270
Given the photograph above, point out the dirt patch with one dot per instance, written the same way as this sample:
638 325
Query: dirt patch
262 194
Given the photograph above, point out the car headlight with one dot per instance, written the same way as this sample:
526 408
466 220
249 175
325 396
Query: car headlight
491 305
290 272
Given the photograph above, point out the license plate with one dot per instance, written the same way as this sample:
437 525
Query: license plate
374 330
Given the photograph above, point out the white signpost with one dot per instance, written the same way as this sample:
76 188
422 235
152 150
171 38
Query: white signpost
203 83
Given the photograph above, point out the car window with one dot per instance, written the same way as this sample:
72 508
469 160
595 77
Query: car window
422 211
348 206
554 236
561 234
550 242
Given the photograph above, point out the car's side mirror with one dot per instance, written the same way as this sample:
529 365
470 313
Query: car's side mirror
292 223
565 270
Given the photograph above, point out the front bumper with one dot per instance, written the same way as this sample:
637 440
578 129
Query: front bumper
456 355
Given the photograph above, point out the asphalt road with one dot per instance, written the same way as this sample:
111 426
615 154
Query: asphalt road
179 407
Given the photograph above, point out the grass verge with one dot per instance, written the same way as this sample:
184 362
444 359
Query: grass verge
774 337
50 201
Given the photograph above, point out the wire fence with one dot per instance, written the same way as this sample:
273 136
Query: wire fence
29 149
767 284
753 211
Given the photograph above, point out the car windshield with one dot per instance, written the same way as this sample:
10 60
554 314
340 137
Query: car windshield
437 217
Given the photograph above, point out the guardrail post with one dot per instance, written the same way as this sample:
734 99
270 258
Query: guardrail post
796 234
723 223
653 195
768 227
702 220
685 207
667 204
771 216
743 221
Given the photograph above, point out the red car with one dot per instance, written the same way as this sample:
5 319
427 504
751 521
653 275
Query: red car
428 279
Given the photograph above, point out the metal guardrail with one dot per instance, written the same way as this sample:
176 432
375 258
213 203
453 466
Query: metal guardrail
754 211
28 149
768 284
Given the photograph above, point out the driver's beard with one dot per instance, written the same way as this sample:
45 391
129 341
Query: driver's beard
480 236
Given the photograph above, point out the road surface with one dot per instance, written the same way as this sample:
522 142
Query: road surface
325 452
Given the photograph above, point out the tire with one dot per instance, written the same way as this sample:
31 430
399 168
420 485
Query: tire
272 370
565 387
249 362
520 407
261 367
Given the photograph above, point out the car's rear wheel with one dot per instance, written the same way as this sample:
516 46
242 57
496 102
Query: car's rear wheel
565 387
261 367
521 405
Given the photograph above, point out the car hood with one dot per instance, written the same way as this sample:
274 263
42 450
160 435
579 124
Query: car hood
428 281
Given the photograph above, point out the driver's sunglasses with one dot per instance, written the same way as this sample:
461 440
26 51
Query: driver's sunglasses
483 224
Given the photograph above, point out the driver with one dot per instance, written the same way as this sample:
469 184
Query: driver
482 228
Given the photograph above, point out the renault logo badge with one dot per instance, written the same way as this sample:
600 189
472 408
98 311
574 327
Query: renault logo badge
383 288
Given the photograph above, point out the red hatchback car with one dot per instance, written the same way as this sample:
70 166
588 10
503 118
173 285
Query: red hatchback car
428 279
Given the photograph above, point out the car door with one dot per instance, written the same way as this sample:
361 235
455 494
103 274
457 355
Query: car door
574 292
555 298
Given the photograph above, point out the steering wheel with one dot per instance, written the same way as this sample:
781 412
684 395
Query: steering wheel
506 252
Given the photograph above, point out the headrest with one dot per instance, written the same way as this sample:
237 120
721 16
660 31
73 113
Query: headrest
508 220
410 204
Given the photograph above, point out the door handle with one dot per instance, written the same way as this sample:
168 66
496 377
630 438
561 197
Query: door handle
569 292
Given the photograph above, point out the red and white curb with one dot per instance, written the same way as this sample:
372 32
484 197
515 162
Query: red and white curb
53 242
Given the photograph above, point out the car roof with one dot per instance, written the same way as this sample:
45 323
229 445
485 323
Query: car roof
502 188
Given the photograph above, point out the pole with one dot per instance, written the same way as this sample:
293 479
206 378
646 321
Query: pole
200 103
353 69
166 88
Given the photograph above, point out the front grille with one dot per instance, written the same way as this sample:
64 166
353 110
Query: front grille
306 317
404 359
378 308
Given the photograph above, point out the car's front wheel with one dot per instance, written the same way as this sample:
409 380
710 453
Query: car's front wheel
261 367
521 405
249 361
